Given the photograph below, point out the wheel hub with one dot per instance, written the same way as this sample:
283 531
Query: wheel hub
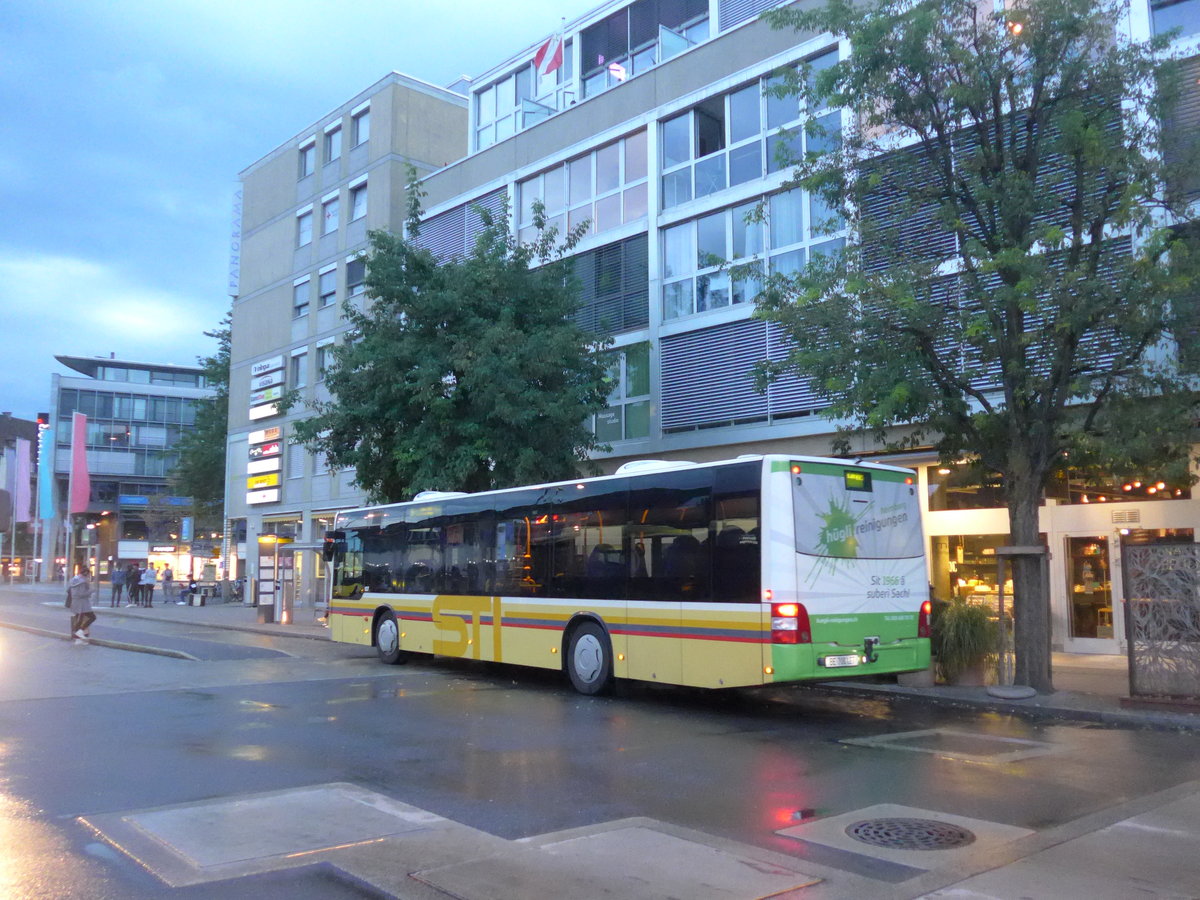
589 658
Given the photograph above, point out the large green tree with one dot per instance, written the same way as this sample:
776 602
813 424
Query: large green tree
200 472
1005 293
468 374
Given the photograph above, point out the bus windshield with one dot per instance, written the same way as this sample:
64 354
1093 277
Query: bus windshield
849 513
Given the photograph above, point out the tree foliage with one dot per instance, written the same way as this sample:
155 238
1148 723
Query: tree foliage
1006 292
200 472
463 375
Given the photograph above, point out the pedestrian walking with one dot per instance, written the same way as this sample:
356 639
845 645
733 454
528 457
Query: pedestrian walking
118 583
148 580
79 602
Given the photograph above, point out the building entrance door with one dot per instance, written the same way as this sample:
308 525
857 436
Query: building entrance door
1092 596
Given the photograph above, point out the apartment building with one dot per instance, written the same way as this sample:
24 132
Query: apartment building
658 128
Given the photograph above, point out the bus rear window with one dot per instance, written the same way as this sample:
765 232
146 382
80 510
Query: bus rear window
853 514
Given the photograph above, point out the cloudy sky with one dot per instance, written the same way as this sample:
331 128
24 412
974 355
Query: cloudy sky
126 122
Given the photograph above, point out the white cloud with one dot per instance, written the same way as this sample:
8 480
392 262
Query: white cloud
71 305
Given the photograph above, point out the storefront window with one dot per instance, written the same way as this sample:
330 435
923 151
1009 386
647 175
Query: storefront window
964 567
1090 587
962 486
1073 487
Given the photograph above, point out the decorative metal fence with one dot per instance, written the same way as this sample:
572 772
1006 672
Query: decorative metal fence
1162 620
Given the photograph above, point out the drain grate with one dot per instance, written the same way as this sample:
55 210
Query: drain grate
910 834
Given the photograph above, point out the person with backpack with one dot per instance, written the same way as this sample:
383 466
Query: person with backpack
148 580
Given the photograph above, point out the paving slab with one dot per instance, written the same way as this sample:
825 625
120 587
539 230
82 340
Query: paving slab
632 863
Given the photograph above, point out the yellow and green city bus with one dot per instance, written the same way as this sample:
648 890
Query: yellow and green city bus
750 571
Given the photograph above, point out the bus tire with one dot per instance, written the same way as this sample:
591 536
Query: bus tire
387 639
589 659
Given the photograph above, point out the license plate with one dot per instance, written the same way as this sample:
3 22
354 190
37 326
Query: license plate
840 662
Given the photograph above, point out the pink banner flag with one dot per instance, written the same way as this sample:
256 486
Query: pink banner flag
80 490
21 490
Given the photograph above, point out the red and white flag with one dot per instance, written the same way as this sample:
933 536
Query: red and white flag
550 55
79 490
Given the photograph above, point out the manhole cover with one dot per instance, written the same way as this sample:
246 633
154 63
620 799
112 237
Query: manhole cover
910 834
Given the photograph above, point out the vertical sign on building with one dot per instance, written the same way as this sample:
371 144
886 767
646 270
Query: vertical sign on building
235 245
262 468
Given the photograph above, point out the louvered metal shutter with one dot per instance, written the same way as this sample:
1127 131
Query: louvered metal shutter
444 234
706 375
1180 132
735 12
788 395
614 287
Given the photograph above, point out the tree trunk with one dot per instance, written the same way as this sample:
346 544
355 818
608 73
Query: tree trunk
1031 594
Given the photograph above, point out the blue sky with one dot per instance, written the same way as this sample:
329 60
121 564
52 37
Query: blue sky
126 122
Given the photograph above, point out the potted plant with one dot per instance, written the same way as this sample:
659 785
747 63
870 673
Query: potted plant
964 641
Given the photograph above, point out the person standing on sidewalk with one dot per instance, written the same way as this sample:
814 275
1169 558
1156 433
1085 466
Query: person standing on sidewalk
118 582
167 577
79 600
132 584
148 579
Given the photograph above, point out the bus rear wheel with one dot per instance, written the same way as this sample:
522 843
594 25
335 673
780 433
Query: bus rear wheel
387 640
589 659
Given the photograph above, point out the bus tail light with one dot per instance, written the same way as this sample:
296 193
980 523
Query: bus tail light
789 624
924 629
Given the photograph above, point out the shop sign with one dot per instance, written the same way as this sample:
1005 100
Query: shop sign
265 381
266 395
267 365
254 482
263 412
272 449
274 433
269 495
162 548
255 466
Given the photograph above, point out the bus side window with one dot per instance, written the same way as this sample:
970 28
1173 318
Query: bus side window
736 556
670 521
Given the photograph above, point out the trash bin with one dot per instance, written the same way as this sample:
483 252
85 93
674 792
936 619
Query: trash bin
266 613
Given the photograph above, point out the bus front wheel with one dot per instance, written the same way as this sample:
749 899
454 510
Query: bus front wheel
387 640
589 659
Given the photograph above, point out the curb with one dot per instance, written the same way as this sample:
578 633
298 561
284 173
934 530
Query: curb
1160 722
225 626
103 642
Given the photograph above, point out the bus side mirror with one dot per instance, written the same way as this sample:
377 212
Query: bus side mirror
335 545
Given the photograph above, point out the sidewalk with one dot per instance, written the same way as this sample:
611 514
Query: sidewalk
1089 688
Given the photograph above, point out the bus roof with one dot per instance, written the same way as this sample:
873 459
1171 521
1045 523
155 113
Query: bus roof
641 470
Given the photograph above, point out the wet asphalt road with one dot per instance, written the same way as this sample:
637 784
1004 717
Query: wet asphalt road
515 753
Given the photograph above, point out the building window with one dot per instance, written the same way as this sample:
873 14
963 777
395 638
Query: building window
308 159
1172 14
329 216
522 98
296 457
637 39
304 228
358 202
300 299
333 144
356 274
715 260
606 187
299 373
361 127
327 287
722 142
628 413
324 358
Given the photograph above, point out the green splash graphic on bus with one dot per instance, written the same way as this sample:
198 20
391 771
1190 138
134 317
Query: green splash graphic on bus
835 540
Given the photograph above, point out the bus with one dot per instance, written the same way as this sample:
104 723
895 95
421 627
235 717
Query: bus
751 571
